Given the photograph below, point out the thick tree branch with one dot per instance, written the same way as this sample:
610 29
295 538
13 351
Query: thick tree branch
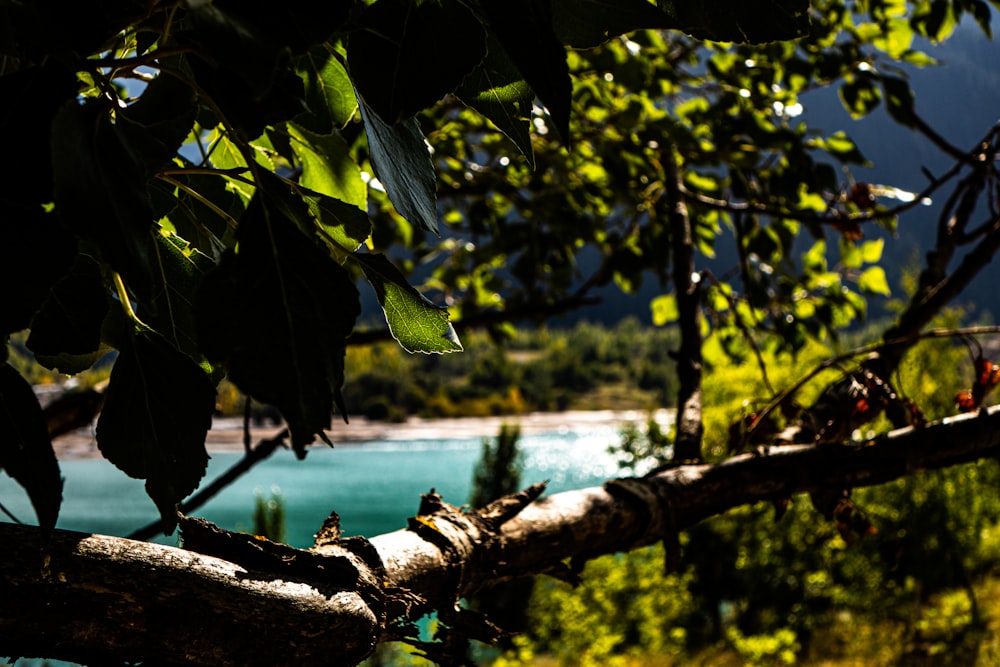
93 598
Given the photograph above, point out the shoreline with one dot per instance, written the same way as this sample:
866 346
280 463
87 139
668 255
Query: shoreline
226 434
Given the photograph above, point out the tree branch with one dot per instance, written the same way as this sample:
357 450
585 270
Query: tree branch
690 428
333 603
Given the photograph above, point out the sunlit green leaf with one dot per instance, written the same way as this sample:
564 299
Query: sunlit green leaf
664 309
814 260
329 92
25 449
525 29
343 224
873 281
180 270
851 255
497 90
860 96
871 251
416 323
327 167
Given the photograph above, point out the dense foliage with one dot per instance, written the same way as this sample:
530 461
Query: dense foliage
200 198
206 183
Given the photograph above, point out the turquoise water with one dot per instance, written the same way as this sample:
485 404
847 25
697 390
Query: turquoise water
373 486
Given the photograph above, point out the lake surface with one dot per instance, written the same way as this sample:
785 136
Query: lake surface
373 486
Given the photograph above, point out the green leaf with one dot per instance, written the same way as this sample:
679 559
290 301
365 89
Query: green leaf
157 411
859 96
416 323
497 90
842 147
899 100
26 452
329 93
871 251
209 228
403 165
327 167
851 255
897 39
278 312
407 55
525 29
814 260
664 309
873 281
180 270
66 332
100 190
342 224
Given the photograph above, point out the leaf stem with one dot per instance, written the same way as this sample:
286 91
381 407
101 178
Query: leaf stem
230 220
124 298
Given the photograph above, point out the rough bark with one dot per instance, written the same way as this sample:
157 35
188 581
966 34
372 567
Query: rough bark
94 598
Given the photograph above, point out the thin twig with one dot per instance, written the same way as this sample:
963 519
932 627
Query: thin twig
10 514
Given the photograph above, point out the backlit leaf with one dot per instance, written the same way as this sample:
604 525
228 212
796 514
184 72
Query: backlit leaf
664 309
871 251
25 449
157 411
873 281
416 323
497 90
525 29
66 332
277 312
100 190
180 270
329 93
343 224
327 167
